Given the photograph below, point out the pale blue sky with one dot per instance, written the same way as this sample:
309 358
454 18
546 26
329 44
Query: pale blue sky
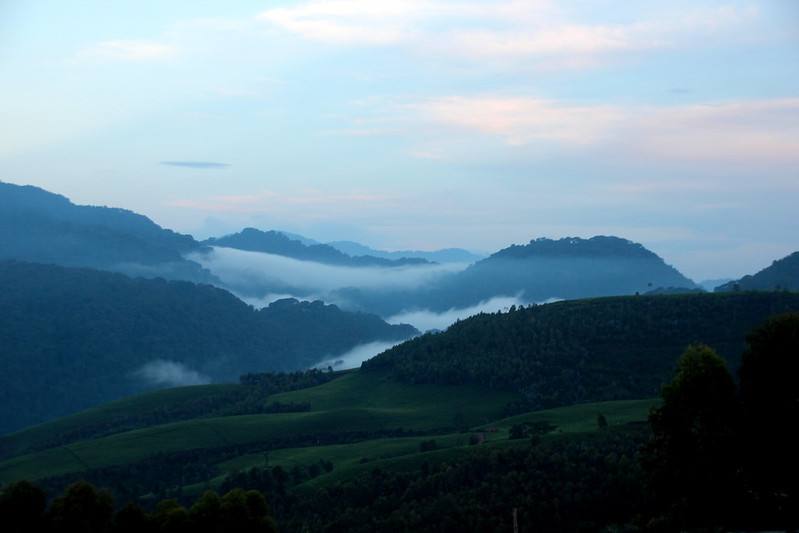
419 124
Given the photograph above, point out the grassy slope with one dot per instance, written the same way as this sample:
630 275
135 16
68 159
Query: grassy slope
355 402
19 442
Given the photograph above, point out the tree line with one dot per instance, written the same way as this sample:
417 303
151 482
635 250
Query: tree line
82 507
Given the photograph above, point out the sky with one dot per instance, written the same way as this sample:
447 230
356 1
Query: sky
419 124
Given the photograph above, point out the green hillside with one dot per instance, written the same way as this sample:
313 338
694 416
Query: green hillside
581 351
381 448
73 338
358 424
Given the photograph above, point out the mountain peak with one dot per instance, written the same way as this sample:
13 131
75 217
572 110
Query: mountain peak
598 246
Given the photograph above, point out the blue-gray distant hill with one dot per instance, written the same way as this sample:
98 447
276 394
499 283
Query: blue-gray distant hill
72 338
782 274
43 227
561 269
278 243
447 255
542 270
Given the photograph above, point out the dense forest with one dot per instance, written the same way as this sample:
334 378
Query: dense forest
582 350
74 338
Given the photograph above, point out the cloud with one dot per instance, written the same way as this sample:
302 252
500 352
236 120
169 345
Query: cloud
240 268
196 164
550 32
754 130
518 120
126 51
354 357
760 130
426 320
161 373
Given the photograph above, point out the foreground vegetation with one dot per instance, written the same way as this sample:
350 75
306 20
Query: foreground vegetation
366 450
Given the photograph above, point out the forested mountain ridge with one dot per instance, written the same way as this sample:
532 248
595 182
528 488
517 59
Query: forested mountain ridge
781 274
72 338
43 227
564 269
275 242
582 351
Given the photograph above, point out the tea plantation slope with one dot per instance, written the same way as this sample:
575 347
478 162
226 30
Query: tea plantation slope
366 405
583 351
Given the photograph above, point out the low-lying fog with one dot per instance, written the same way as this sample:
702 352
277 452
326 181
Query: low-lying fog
259 279
272 277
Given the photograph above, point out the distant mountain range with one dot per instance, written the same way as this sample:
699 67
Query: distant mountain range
42 227
86 317
274 242
447 255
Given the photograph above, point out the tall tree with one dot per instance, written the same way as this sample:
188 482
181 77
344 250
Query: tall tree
770 399
690 458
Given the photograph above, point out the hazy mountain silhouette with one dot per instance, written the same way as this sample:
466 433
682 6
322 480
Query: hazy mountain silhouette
447 255
42 227
542 270
781 274
563 269
278 243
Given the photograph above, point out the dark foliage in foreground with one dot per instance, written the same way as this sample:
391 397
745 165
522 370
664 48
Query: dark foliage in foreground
565 486
725 459
82 507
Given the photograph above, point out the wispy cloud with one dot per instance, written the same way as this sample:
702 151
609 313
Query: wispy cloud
196 164
759 130
269 270
473 31
126 51
161 373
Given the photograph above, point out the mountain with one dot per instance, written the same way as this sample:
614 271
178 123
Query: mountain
540 271
783 274
71 338
278 243
42 227
447 255
560 269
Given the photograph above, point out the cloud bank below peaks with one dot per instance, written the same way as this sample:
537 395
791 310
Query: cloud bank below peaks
262 275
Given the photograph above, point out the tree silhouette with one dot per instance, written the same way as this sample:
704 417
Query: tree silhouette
690 458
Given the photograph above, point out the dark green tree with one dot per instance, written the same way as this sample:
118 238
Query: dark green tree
246 511
205 514
131 519
770 402
22 507
690 459
83 508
